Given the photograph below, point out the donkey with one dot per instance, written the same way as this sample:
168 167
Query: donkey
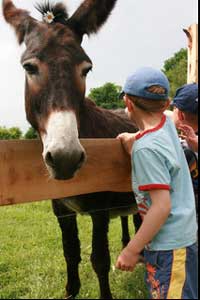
56 68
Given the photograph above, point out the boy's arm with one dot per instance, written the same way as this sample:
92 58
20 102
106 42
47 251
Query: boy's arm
127 140
189 135
152 223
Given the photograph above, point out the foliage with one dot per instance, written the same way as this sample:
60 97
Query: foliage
107 96
31 134
12 133
175 69
32 264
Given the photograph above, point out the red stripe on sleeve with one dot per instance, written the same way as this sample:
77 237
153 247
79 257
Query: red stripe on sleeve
150 187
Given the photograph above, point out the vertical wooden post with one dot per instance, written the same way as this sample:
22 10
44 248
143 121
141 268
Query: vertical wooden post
192 34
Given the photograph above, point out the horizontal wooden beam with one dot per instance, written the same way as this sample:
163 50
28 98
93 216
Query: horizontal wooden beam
24 178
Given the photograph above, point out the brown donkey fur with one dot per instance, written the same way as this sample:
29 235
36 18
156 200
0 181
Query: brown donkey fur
56 68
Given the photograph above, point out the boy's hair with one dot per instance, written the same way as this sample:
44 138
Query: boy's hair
150 105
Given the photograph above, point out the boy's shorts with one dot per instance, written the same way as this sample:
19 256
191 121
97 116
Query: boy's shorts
172 274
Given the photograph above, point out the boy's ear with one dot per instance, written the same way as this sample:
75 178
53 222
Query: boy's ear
181 115
167 104
129 105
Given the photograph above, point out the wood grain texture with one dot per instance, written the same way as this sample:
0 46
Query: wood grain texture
24 178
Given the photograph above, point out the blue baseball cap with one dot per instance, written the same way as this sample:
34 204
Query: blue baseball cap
186 98
138 83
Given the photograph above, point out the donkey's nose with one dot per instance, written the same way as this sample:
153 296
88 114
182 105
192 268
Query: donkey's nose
49 159
64 165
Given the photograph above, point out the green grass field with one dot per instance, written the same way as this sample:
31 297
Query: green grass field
32 265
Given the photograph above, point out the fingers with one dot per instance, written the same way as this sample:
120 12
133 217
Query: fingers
182 136
124 268
119 136
184 126
127 140
122 136
126 136
187 129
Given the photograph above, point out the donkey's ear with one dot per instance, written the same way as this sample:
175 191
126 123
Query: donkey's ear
90 16
17 18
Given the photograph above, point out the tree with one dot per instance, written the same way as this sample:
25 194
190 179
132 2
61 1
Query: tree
107 96
31 134
175 69
13 133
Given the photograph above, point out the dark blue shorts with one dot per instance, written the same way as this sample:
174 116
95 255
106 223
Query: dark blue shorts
172 274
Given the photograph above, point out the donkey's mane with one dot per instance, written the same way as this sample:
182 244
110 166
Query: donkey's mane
58 10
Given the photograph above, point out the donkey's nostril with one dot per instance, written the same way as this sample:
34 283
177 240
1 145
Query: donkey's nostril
63 165
49 159
82 159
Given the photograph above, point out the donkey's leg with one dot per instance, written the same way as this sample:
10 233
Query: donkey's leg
71 246
137 220
125 231
100 256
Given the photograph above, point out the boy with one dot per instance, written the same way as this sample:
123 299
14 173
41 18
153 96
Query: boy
185 113
163 189
185 117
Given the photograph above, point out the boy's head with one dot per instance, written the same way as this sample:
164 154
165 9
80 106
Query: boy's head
148 89
185 105
186 98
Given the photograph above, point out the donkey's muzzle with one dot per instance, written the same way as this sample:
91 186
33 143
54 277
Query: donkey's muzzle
63 166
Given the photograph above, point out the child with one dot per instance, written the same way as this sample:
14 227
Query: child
185 116
185 113
163 189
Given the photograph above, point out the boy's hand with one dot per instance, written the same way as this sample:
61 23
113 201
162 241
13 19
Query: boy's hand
127 260
127 140
189 135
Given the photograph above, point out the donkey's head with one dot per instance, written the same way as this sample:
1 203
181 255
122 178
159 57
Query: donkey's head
56 67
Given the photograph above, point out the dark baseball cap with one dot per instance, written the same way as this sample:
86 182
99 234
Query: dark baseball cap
138 83
186 98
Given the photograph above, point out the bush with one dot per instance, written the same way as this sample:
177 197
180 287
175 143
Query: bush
175 69
107 96
13 133
31 134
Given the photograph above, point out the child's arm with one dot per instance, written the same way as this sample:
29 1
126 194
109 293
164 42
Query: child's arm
190 136
127 140
153 221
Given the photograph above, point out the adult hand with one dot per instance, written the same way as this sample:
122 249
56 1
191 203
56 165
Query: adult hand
127 140
127 260
187 133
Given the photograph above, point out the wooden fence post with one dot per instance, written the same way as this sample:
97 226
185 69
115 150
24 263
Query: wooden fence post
192 34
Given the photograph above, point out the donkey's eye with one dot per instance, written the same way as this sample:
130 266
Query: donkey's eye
86 71
30 68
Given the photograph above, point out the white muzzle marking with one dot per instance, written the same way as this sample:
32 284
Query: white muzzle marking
61 133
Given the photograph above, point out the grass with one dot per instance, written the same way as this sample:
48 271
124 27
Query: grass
32 265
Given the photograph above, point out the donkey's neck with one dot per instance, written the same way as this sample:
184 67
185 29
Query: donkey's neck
96 122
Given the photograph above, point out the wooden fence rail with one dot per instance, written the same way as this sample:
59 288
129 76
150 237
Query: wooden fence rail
24 178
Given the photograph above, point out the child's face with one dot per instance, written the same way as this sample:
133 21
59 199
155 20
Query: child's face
181 118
